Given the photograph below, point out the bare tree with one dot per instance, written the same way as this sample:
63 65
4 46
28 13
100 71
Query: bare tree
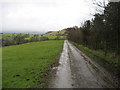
101 4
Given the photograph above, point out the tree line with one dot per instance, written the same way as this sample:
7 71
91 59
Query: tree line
22 38
100 33
15 39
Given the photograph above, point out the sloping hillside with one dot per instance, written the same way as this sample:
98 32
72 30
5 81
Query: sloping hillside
56 34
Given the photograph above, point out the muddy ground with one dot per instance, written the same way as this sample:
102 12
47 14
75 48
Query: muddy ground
76 70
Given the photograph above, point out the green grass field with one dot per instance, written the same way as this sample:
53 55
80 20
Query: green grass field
0 68
51 35
0 36
56 32
27 65
10 36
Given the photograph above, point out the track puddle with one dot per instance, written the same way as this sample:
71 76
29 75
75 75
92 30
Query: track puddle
76 70
63 77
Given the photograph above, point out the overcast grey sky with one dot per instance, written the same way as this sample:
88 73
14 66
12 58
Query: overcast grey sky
43 15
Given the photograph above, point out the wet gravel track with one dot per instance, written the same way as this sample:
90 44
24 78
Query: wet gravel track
76 70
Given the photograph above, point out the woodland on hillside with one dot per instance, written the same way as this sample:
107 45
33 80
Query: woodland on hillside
102 32
101 35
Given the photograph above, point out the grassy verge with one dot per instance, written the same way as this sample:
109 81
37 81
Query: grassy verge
111 64
27 65
0 69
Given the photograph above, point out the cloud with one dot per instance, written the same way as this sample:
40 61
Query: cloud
44 15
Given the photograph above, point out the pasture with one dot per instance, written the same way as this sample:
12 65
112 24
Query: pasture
27 65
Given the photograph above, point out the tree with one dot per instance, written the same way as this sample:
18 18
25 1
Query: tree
19 39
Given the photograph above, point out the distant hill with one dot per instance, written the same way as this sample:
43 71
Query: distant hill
50 35
24 32
60 32
55 34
